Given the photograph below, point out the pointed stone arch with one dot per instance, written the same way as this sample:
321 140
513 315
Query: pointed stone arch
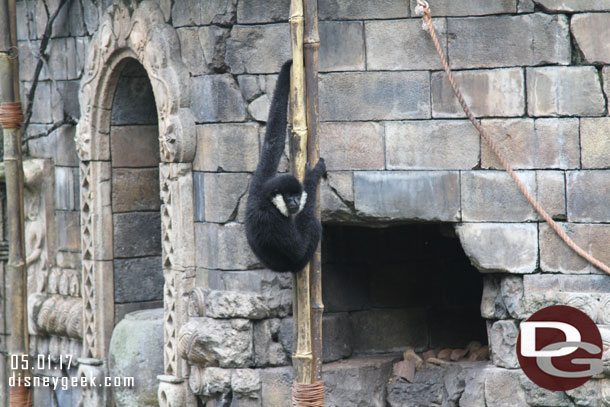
138 31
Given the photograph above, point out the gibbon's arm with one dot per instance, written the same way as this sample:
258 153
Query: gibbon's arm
275 134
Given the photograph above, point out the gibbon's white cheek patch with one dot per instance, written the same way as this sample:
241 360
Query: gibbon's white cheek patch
279 203
303 201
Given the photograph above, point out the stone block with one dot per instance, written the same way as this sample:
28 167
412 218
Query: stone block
207 90
135 189
90 15
557 257
262 11
588 31
137 280
218 12
259 108
503 297
416 195
62 59
137 234
42 147
198 197
402 328
437 144
357 381
531 39
527 144
68 230
499 247
192 50
595 144
186 13
564 91
41 107
235 304
492 304
276 386
66 188
503 388
124 111
213 41
26 15
496 92
65 155
538 396
251 86
492 196
223 247
574 5
503 344
374 96
258 49
210 381
469 7
337 196
587 194
590 394
352 146
363 9
222 194
268 349
606 80
217 342
403 45
341 46
28 61
227 147
246 383
134 146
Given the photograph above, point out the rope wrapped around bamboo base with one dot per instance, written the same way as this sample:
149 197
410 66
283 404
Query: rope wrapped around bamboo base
308 395
21 396
11 116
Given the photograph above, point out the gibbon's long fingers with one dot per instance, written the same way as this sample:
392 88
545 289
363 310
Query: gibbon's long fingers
275 134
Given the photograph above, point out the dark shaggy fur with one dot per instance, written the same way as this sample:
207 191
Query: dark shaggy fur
282 243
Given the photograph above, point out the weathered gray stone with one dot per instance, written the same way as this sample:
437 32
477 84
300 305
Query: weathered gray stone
62 59
198 197
438 144
68 230
229 147
219 12
469 7
402 45
525 6
503 344
537 396
374 96
363 9
41 107
135 189
497 92
512 291
134 352
208 91
251 86
606 80
587 194
574 5
401 329
564 91
492 304
341 46
65 155
416 195
28 60
259 108
139 279
493 247
134 146
503 388
258 49
222 195
474 390
217 342
66 188
192 51
268 350
43 147
531 39
589 394
234 304
223 247
262 11
357 381
76 19
595 144
186 13
246 382
352 146
493 195
503 297
210 381
556 256
213 40
337 196
588 31
26 15
527 144
276 386
137 234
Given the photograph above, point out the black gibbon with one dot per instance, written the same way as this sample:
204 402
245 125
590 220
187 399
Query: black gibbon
281 225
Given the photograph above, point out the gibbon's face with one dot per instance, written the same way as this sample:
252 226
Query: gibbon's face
288 196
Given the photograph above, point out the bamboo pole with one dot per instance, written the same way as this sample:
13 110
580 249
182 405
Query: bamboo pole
311 47
302 360
11 119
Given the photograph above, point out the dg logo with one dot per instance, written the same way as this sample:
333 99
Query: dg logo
559 348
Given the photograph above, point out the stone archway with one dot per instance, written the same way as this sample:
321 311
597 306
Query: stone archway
135 31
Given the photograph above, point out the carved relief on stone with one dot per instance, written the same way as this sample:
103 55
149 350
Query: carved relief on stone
94 372
57 315
171 392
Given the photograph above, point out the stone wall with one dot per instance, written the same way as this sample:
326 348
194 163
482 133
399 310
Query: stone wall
398 149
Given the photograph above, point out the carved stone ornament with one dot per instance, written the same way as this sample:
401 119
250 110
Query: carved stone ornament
141 34
93 394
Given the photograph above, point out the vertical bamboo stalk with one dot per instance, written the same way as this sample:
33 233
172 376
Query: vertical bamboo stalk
303 356
311 47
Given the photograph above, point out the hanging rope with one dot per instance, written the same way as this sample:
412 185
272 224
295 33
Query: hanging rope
308 395
425 8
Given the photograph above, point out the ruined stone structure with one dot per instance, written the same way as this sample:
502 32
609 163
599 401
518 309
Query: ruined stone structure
427 242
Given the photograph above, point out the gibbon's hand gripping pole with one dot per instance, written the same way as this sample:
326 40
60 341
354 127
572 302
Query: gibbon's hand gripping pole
424 7
307 389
